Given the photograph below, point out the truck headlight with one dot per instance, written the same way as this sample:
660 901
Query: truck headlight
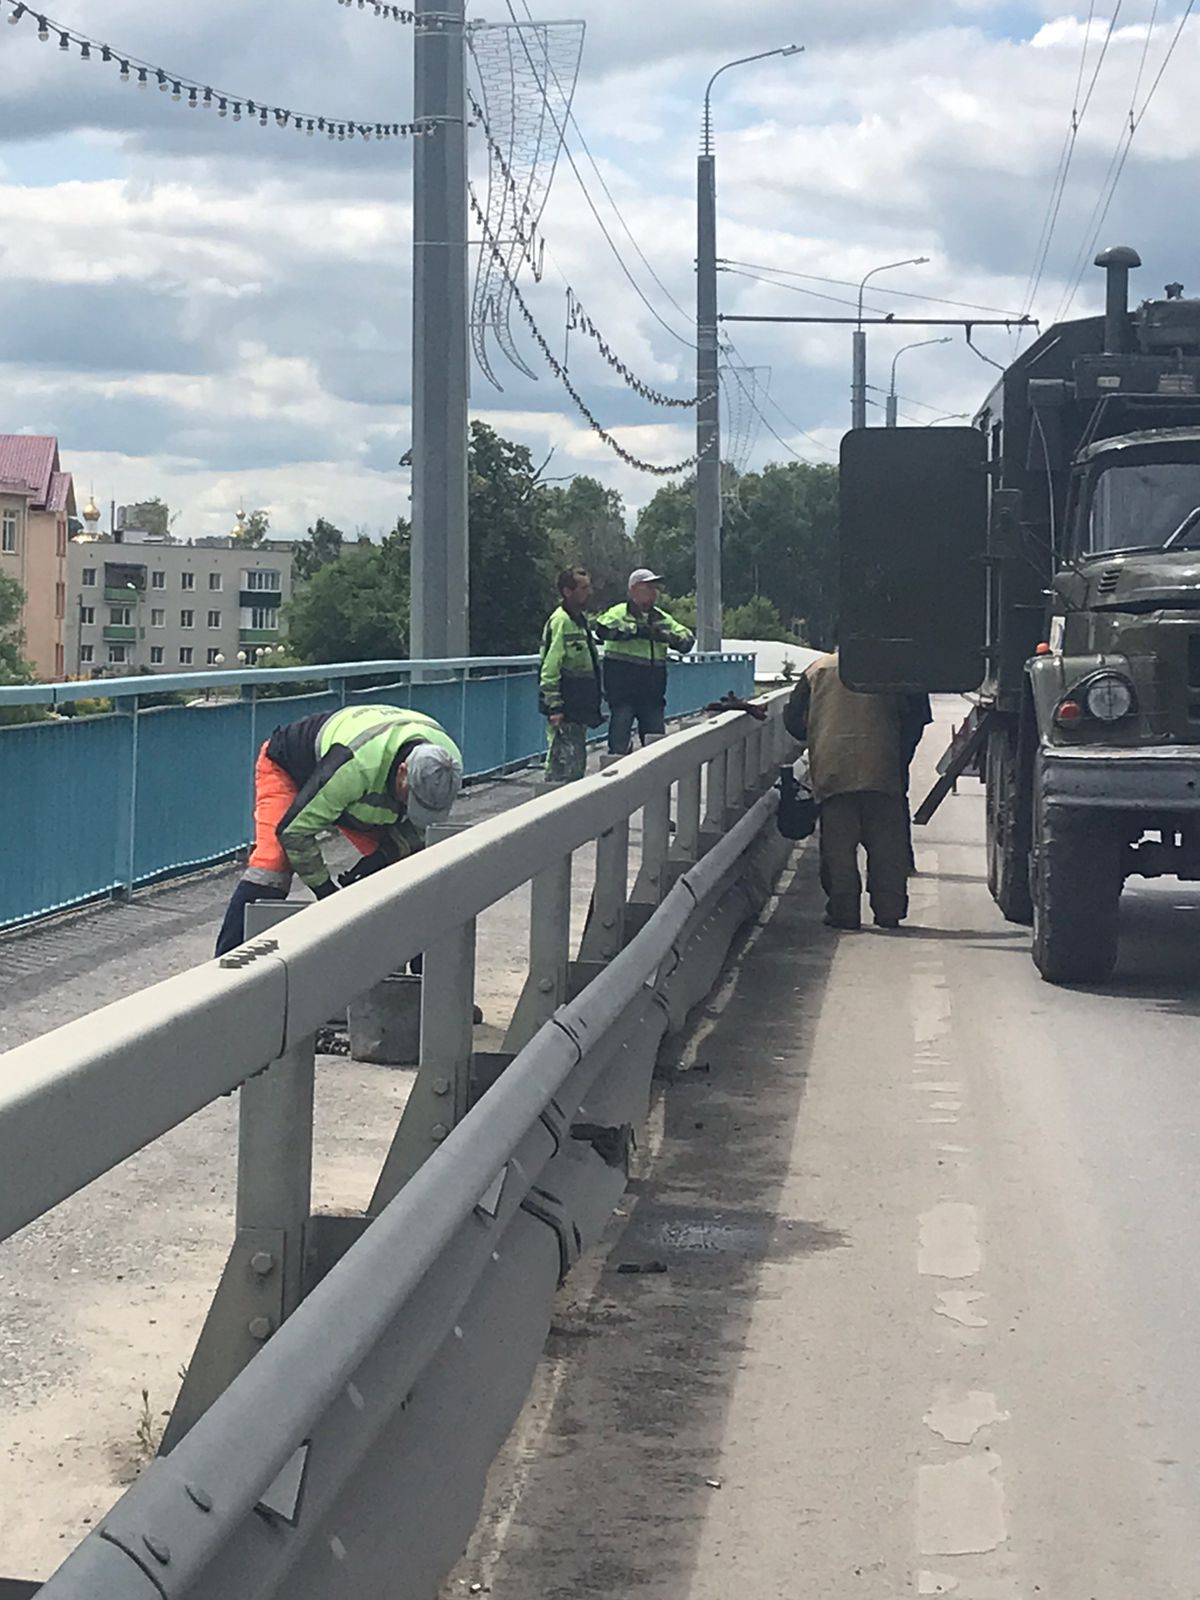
1109 697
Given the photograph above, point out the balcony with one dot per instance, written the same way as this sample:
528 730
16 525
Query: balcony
260 597
122 596
115 633
258 635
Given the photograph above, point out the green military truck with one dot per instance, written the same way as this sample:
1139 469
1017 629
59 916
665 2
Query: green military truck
1046 561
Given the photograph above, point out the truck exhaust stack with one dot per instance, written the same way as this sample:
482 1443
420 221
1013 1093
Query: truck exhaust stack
1117 263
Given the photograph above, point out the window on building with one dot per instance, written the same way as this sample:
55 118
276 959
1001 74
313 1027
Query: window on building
120 616
187 580
8 535
118 655
60 599
264 617
215 581
187 619
264 578
214 619
87 614
60 544
185 655
60 661
87 578
158 580
158 619
87 654
156 655
214 657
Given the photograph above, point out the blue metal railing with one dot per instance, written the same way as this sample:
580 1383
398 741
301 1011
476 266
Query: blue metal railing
96 805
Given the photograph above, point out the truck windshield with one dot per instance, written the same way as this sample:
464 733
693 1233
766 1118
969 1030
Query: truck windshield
1140 506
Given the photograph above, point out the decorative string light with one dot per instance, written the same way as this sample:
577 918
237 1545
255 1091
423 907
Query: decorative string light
200 94
560 372
393 13
577 318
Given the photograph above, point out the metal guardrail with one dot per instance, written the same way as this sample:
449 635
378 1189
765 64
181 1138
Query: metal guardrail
395 1349
137 818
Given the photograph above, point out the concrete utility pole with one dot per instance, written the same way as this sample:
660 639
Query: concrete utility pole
708 379
858 390
439 387
891 398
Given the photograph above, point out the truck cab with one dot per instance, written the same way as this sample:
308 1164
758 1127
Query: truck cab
1063 531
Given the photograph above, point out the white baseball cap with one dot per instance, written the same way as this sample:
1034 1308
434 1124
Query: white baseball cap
643 575
434 780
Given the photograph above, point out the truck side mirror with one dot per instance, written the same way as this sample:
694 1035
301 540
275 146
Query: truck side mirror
914 528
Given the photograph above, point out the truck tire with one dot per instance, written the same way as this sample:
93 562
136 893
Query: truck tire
1008 830
1077 881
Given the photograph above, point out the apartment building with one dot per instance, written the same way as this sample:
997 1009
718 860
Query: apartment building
37 503
172 607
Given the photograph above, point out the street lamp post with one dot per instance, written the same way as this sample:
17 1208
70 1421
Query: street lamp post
708 411
858 393
891 397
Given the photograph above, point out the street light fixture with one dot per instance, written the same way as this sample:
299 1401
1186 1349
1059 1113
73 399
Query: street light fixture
858 392
918 345
708 378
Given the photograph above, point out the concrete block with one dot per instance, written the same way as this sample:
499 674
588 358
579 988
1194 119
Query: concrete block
385 1023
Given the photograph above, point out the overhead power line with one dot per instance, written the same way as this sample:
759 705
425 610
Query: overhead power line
560 372
1120 156
848 283
197 95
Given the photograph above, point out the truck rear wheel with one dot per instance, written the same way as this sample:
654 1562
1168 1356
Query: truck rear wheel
1077 882
1008 830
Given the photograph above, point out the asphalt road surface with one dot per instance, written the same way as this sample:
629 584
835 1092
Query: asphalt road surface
928 1324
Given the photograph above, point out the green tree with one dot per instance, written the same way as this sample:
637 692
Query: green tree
356 608
512 558
149 516
253 529
666 535
779 537
14 668
322 546
586 525
757 619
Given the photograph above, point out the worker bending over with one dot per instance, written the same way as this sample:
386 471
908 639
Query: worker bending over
380 774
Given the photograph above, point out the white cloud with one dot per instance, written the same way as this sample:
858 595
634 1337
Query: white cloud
224 314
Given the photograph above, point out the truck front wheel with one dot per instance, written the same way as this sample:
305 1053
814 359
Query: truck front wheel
1008 830
1077 880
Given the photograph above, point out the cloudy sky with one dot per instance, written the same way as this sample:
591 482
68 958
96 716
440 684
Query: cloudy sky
219 313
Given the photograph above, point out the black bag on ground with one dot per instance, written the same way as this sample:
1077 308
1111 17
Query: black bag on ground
797 814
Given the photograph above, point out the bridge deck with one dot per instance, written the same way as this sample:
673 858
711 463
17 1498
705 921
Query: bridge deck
927 1323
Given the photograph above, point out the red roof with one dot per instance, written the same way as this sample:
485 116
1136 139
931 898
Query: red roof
31 460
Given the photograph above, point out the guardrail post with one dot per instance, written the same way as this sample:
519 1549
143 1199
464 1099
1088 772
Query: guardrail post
715 777
440 1096
262 1283
604 935
687 818
650 886
125 841
549 941
754 744
735 782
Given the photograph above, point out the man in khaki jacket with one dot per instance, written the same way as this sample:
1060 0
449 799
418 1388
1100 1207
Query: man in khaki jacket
856 747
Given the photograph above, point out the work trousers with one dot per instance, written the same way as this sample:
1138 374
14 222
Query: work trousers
650 716
877 823
566 755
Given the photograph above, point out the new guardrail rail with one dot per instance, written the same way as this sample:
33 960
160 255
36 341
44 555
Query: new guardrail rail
105 803
358 1373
